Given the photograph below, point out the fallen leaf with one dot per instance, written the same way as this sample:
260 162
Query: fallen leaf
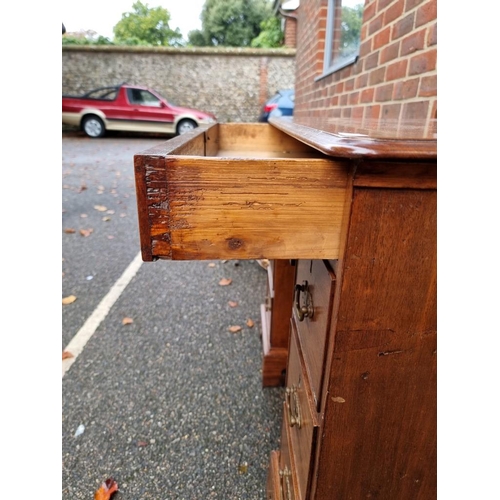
234 329
106 219
67 355
127 321
211 264
142 443
110 237
83 187
232 303
250 323
83 216
111 212
100 208
106 490
225 281
86 232
68 300
69 230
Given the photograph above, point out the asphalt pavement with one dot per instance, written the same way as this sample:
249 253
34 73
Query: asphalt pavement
163 397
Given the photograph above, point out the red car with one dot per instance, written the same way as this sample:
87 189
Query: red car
132 108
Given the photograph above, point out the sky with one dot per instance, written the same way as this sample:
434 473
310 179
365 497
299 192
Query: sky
102 15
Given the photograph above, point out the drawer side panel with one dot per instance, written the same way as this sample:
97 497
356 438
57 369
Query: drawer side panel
253 209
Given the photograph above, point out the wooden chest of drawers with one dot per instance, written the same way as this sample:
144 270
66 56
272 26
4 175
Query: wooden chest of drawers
350 221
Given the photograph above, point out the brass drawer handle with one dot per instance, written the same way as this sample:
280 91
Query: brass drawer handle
307 310
293 413
285 478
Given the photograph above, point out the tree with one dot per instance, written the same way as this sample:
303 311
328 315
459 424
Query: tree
352 19
88 37
271 35
146 26
230 23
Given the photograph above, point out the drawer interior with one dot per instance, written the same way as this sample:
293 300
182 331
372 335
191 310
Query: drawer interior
239 191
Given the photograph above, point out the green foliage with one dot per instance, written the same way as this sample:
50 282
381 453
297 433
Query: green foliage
271 35
230 23
85 38
146 26
352 19
196 38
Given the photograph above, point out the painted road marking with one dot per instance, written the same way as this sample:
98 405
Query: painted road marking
88 329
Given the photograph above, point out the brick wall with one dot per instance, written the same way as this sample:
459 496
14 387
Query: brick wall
231 83
395 75
290 31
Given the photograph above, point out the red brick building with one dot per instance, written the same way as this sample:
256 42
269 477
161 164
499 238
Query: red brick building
392 75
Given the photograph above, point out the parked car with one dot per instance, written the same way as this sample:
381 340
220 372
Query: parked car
131 108
281 104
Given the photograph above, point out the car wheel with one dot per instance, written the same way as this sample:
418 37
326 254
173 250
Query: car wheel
93 126
185 126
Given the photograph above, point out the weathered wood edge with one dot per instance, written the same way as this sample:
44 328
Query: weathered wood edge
157 156
142 208
358 147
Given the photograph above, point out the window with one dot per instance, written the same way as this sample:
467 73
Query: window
143 98
343 33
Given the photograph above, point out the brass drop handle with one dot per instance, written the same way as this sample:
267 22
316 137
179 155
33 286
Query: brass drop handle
285 489
307 310
293 410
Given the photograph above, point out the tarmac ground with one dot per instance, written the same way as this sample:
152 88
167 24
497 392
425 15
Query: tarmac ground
171 403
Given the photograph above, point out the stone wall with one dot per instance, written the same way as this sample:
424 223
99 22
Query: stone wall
231 83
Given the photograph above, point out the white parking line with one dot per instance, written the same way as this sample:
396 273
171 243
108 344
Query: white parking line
77 343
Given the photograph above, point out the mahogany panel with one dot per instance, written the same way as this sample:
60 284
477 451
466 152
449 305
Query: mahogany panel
379 428
390 268
282 301
273 477
354 145
300 404
287 468
313 332
379 432
395 174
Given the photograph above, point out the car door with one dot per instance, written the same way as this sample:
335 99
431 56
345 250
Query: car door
148 108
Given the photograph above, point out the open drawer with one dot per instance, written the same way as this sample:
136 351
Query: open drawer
239 191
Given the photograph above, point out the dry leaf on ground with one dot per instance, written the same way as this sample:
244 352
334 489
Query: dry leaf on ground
68 300
234 329
225 281
127 321
100 208
211 264
69 230
250 323
67 355
106 490
232 303
86 232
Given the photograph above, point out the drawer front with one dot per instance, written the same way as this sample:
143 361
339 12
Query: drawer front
300 416
273 478
287 472
316 280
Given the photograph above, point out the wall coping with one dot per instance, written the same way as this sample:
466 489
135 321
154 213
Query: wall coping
219 51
